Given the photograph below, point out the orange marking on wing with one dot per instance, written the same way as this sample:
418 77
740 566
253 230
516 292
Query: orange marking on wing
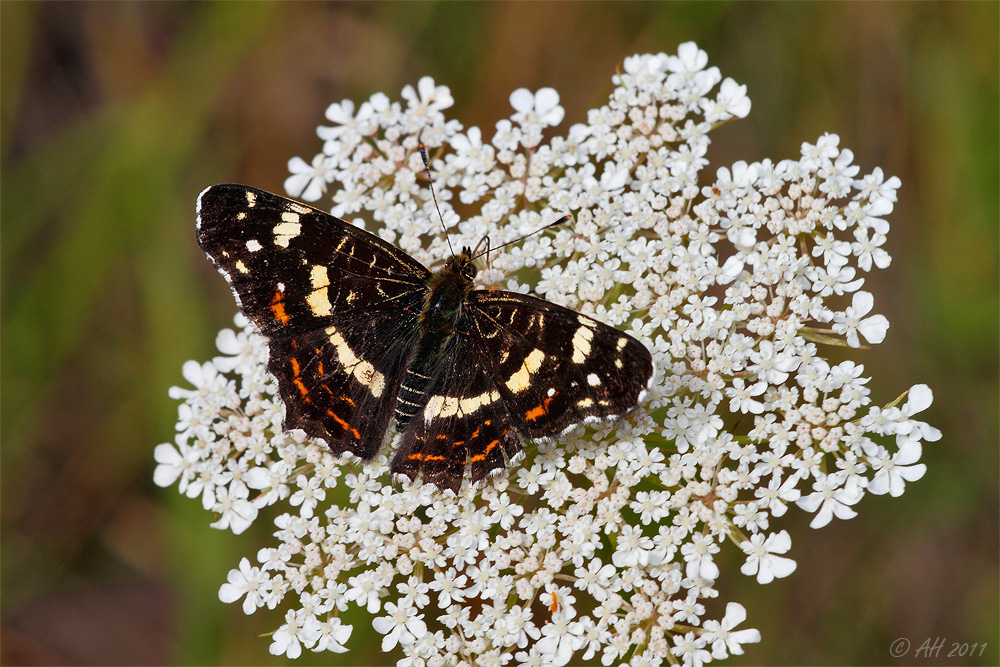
295 373
344 425
319 369
475 433
278 308
482 457
458 443
442 437
417 456
539 410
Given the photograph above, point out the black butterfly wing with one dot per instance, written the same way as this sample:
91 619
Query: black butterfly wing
521 367
464 424
558 368
339 306
339 383
293 267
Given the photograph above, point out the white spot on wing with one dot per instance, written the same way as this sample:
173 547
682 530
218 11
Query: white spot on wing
285 232
253 245
581 343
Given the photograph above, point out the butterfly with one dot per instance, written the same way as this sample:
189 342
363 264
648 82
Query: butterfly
360 334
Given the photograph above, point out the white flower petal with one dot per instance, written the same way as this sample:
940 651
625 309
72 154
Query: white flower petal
522 100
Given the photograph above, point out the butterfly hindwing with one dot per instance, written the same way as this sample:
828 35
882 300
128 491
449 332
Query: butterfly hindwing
339 383
463 424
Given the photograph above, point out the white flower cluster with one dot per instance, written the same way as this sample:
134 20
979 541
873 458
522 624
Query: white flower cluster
602 545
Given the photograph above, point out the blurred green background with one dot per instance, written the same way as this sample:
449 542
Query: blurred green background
115 115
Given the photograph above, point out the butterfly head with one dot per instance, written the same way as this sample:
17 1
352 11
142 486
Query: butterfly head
461 266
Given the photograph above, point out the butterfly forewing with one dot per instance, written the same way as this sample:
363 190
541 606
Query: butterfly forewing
293 267
558 368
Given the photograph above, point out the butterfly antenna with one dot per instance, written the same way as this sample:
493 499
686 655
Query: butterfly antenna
560 221
430 182
485 241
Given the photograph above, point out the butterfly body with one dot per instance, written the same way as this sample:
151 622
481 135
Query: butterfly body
361 334
447 291
440 324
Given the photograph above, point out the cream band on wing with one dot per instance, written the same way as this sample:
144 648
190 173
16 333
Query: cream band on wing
363 371
521 379
449 406
319 299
